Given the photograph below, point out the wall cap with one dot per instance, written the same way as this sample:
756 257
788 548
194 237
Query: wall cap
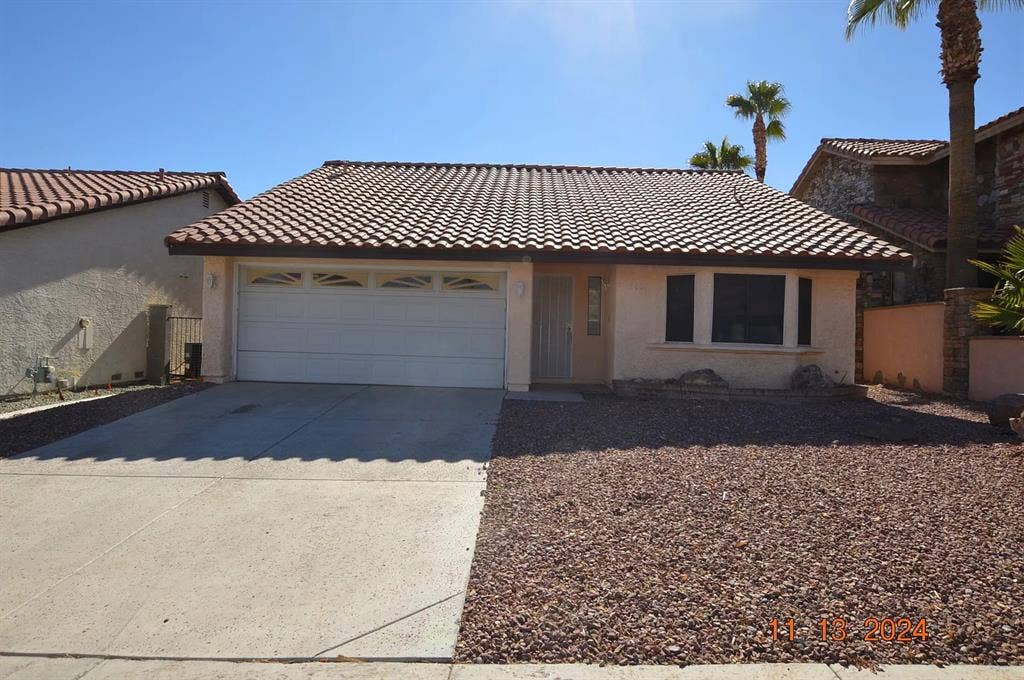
997 338
938 303
733 348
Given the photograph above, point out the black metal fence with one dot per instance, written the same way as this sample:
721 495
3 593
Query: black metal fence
184 346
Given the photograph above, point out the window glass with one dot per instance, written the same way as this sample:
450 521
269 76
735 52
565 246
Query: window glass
408 281
593 305
679 309
804 330
470 282
340 279
271 277
748 308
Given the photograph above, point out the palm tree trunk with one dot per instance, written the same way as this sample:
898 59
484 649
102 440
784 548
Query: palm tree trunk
760 148
961 54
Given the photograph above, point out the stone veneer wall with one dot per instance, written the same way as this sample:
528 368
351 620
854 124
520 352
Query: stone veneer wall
1009 180
838 185
959 328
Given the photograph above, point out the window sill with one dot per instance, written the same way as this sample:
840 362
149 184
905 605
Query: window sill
733 348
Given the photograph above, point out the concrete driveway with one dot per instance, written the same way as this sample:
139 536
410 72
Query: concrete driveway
250 520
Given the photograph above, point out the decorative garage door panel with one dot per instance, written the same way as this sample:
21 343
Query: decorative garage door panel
427 337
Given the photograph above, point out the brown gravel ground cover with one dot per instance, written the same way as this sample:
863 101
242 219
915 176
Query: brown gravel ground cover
673 532
26 432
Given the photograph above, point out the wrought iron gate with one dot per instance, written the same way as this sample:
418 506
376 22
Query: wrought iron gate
184 346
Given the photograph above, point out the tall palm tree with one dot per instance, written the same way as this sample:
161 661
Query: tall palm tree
725 156
763 100
960 31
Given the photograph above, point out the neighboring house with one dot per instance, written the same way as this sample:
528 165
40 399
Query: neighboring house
81 261
897 188
483 275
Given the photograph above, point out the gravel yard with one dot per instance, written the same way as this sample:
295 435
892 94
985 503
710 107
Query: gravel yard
31 430
674 532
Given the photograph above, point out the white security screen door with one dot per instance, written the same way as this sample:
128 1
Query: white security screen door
552 327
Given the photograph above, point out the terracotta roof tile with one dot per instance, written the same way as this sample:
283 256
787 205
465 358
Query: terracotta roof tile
902 151
32 196
533 208
926 228
875 148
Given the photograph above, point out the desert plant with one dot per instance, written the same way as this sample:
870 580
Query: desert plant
1006 308
725 156
763 100
960 32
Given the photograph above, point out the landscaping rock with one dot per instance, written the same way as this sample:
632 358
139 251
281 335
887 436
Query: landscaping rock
1017 425
621 531
809 377
1004 407
703 377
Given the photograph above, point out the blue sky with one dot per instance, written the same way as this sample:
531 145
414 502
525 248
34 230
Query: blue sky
268 91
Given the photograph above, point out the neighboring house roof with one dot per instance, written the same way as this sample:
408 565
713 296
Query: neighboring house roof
898 151
926 228
882 148
32 196
492 211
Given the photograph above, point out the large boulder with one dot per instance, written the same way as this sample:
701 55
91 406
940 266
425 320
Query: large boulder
1004 407
703 377
809 377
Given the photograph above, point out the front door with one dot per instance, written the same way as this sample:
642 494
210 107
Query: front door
552 327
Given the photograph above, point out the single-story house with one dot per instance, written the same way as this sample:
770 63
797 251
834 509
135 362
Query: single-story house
483 275
81 262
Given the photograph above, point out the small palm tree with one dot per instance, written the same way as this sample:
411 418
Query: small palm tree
725 156
762 101
960 32
1006 308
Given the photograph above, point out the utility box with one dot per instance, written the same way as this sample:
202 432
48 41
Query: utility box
193 360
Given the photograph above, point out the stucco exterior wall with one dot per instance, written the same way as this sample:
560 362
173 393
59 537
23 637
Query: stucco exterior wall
639 349
904 345
219 307
997 366
108 267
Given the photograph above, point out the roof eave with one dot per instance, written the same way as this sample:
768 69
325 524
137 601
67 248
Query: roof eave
175 247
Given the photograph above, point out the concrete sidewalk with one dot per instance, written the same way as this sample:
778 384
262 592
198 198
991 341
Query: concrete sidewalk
31 668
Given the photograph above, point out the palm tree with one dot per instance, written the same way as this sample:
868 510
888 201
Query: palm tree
960 31
763 100
1006 308
725 156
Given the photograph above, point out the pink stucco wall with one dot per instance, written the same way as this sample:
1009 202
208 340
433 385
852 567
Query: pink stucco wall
905 340
997 366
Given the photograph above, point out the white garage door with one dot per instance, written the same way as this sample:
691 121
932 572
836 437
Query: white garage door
396 327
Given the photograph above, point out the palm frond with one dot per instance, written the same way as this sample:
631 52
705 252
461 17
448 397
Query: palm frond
724 156
1006 308
742 107
775 130
899 13
701 160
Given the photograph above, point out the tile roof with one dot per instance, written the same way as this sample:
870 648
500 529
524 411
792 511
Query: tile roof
33 196
528 208
926 228
901 151
875 148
